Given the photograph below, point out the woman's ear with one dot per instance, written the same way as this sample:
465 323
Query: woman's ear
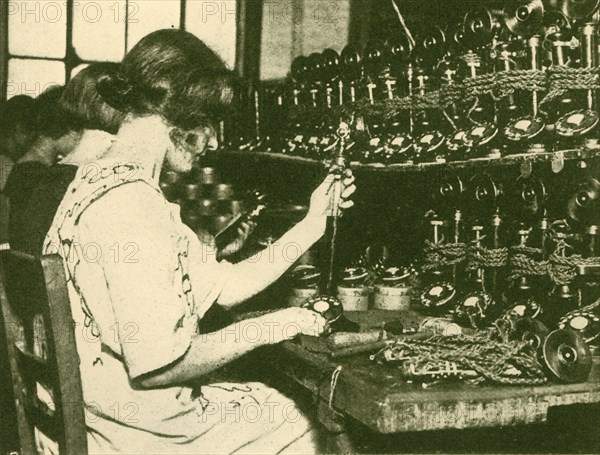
177 137
197 140
185 138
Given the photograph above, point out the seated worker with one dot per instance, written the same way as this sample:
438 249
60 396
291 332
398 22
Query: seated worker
15 139
15 134
93 123
56 133
140 281
99 121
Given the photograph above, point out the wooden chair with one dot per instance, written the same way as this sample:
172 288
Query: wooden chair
42 352
9 435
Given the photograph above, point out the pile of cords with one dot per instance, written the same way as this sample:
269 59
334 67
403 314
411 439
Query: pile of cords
506 363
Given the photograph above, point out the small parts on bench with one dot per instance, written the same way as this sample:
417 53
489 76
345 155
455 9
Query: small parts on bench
532 359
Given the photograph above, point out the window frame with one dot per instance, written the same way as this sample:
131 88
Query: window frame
72 60
249 23
4 49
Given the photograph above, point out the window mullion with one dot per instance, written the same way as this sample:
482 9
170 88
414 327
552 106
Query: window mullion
4 49
126 27
72 60
182 14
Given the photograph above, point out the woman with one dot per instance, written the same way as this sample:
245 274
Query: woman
56 133
16 136
99 121
41 183
16 132
140 281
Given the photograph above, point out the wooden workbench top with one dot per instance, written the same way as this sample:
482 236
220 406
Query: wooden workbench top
377 396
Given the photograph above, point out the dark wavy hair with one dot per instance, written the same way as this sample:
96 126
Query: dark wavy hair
82 101
50 119
16 116
174 74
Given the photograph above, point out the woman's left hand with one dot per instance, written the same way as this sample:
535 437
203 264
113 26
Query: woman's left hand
244 231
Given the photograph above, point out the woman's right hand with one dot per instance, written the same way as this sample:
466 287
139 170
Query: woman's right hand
320 201
288 323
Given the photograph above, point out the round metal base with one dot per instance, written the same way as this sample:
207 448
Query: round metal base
427 145
328 307
481 135
577 123
438 297
524 128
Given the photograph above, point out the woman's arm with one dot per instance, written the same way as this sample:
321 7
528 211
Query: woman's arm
145 296
264 268
251 276
211 351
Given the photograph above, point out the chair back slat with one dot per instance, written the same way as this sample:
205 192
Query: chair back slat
42 344
35 368
42 417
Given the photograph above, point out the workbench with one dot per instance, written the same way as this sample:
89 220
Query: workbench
376 395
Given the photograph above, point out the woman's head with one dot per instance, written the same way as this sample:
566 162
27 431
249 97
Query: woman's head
51 121
82 101
57 131
173 74
16 131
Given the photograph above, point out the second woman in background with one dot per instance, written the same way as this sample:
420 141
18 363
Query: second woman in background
74 123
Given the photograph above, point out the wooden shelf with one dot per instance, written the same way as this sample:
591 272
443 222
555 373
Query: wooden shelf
507 160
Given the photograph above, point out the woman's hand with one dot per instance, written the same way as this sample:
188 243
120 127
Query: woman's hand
251 276
320 201
244 231
288 323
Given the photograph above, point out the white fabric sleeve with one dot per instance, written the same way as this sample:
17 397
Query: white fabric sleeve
144 285
208 276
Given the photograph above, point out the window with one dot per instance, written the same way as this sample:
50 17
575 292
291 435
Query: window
300 27
215 23
32 77
99 30
49 41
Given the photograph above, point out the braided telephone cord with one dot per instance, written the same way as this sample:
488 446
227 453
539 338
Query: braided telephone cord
510 363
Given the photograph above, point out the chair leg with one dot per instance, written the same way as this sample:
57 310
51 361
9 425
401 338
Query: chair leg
9 435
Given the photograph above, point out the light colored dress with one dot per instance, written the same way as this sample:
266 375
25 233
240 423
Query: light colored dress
139 284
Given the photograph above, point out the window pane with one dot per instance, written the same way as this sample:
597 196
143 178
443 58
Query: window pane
145 17
37 29
276 50
300 28
215 24
99 30
32 77
325 24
